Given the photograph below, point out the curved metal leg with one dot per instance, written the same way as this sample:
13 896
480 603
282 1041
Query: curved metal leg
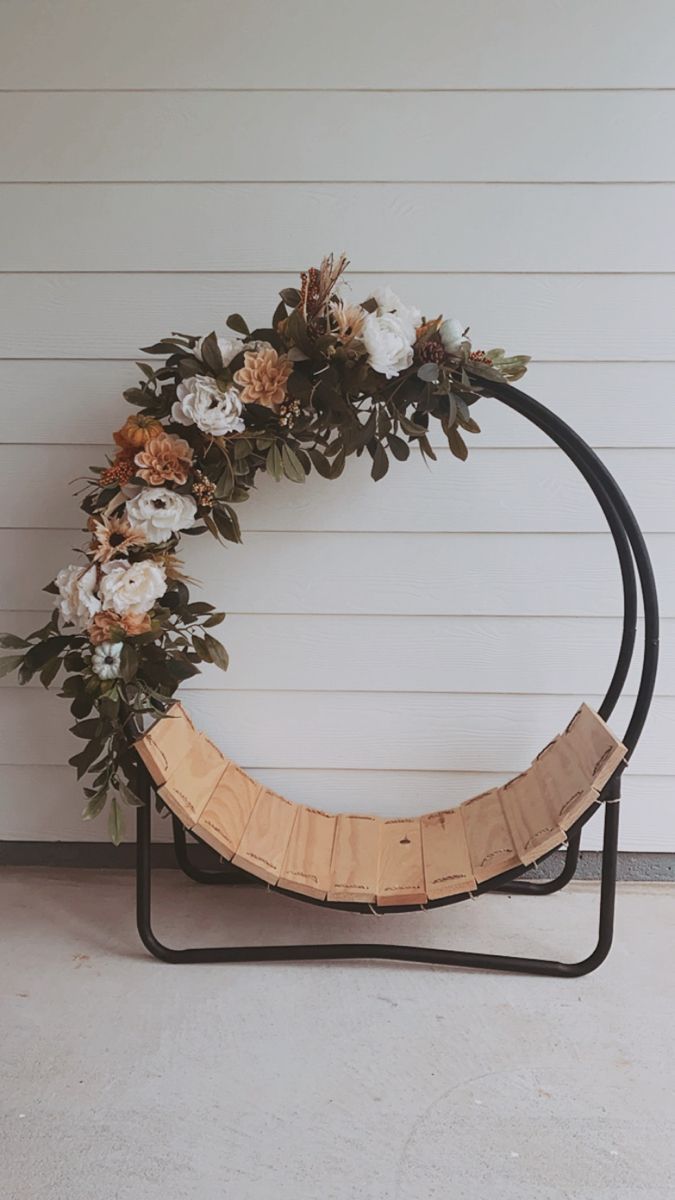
546 887
198 874
449 958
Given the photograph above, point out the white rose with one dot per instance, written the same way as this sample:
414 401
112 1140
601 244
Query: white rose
451 334
200 402
158 512
388 302
132 587
229 346
389 343
77 601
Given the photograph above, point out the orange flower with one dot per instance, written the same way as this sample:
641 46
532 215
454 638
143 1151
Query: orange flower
165 457
136 431
112 536
263 377
107 623
348 320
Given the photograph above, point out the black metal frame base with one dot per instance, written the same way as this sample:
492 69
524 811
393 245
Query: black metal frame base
379 950
633 558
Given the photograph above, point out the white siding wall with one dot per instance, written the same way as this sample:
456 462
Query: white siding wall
394 647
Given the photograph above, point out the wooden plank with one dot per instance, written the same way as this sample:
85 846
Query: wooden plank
400 878
360 731
307 865
191 783
354 865
163 747
597 398
228 810
564 783
429 654
491 492
262 848
210 45
57 136
530 817
447 863
491 846
551 317
103 227
594 744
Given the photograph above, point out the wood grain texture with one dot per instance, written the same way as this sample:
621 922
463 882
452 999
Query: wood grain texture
354 865
525 574
361 731
400 875
163 747
447 862
192 781
578 316
58 136
283 227
211 45
263 846
488 837
307 864
530 816
512 490
227 812
597 398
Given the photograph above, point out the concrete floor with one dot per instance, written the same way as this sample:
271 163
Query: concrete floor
125 1079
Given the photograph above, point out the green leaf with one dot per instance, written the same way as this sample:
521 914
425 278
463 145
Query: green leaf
380 462
115 822
7 665
128 662
49 672
210 352
237 322
95 805
320 463
274 462
218 653
81 706
399 448
290 296
457 445
128 796
44 652
86 729
86 757
9 641
292 466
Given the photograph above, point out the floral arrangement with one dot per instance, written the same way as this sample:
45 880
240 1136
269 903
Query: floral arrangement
329 378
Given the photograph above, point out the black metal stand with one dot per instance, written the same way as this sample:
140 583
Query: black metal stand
632 553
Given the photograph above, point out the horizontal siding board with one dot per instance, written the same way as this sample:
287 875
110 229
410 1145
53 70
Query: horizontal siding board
610 404
554 317
392 227
414 654
45 803
250 43
131 136
483 574
358 730
494 490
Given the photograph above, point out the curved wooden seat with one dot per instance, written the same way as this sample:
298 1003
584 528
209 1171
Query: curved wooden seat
354 858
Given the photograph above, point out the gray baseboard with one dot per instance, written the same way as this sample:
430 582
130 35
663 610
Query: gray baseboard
103 856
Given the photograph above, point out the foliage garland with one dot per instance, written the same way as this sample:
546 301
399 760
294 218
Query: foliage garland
328 379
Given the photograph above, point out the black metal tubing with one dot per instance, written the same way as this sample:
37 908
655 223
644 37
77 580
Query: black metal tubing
631 548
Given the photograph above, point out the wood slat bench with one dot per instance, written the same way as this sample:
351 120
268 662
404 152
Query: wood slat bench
368 859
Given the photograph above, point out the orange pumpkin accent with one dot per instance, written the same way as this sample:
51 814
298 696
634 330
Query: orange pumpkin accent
136 431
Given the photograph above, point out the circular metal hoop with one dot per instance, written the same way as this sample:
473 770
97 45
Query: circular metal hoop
630 546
